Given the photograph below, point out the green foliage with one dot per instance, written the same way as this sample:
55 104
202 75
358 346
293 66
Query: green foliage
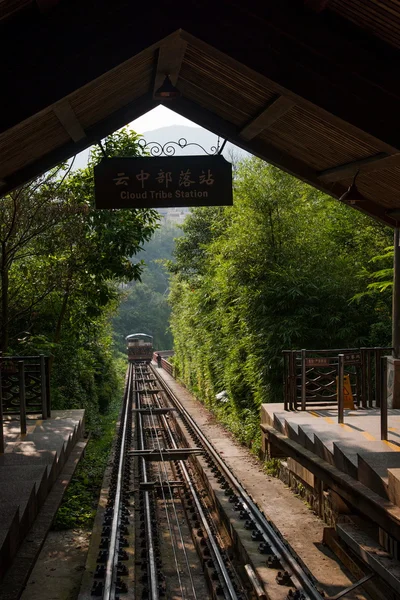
79 504
278 270
272 467
145 305
61 262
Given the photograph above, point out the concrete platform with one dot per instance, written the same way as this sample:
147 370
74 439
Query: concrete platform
353 448
29 467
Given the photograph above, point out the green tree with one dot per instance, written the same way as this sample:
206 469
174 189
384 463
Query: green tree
277 270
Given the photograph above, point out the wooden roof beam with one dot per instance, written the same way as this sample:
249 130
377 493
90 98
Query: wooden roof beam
94 133
382 160
274 111
68 119
273 155
170 58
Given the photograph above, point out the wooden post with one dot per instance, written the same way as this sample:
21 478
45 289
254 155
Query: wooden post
43 386
22 405
384 409
341 388
292 381
378 377
396 295
303 380
48 397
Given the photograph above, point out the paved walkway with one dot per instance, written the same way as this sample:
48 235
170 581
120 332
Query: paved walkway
29 469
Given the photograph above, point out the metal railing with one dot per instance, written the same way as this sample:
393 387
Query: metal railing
316 379
310 377
24 389
165 364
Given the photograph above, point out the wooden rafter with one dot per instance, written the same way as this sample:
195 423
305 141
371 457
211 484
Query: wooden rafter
68 119
366 165
273 155
115 121
170 58
275 109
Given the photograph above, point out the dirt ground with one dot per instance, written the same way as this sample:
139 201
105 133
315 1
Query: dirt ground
58 572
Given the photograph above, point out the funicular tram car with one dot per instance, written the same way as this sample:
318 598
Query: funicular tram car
140 347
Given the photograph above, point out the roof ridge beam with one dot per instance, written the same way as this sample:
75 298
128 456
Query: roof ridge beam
68 119
274 110
169 62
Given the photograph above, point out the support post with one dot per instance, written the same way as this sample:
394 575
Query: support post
303 379
286 379
22 404
378 377
48 396
396 295
1 418
384 404
43 386
341 388
292 380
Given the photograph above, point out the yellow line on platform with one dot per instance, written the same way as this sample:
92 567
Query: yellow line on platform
329 420
314 414
392 429
392 446
344 426
369 436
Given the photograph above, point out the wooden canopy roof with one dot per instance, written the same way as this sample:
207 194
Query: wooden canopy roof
311 86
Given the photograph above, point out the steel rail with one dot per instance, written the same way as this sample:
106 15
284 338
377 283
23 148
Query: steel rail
298 575
229 590
174 542
150 544
112 560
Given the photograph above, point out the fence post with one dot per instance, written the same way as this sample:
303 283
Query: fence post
384 408
378 377
22 404
363 377
43 386
303 379
1 417
286 379
340 388
48 397
292 381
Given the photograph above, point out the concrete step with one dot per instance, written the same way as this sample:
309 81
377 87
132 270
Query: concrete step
325 440
373 465
47 458
9 527
346 458
37 474
20 496
32 444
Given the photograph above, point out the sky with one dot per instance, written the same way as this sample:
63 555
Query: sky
160 117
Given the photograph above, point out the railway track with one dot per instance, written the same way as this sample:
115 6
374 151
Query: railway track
177 523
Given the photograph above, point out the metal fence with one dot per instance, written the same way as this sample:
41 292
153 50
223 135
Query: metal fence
24 389
311 377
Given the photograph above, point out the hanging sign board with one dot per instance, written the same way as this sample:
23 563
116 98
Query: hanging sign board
162 182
